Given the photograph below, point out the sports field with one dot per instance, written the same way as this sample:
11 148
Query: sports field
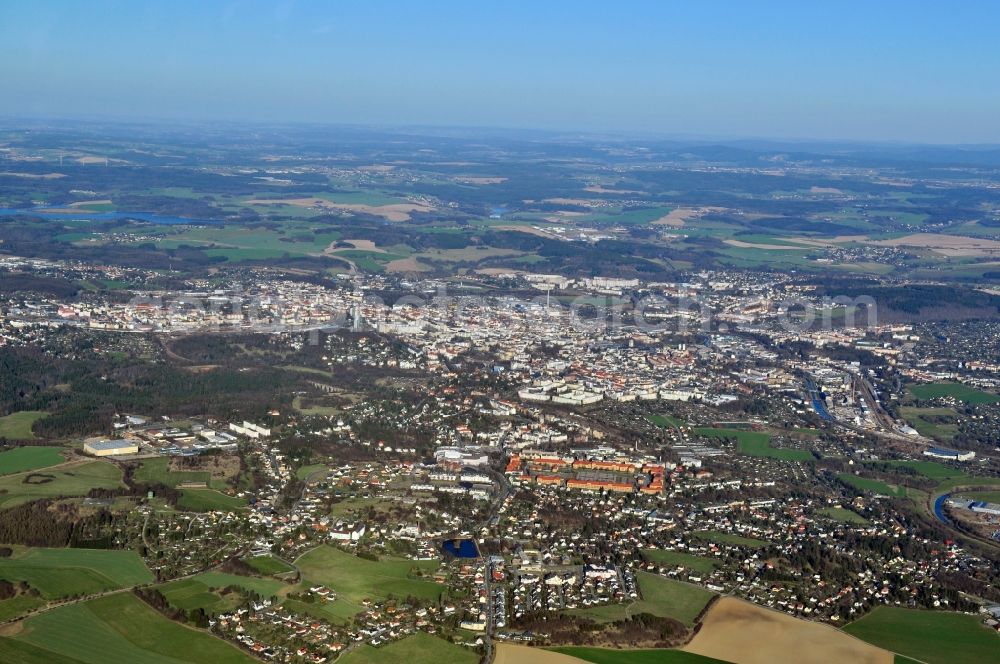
355 579
660 597
20 459
59 573
665 421
117 629
417 649
75 480
935 637
610 656
17 426
737 631
755 443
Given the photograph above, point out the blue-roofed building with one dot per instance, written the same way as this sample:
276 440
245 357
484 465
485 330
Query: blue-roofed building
950 455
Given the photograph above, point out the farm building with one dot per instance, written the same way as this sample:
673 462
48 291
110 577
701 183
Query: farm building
110 447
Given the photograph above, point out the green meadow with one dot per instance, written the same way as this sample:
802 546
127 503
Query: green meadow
269 565
844 515
728 538
986 496
116 629
665 421
931 469
755 443
18 606
419 648
203 591
658 656
303 472
701 564
75 480
877 487
957 391
208 500
59 573
157 471
660 597
939 423
20 459
935 637
17 426
355 579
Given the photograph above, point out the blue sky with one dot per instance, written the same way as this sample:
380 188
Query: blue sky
876 70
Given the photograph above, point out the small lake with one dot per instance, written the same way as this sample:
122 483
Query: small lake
461 548
108 216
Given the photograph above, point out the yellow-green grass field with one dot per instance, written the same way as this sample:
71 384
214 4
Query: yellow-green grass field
355 579
957 391
18 606
700 564
303 472
157 471
20 459
235 243
844 515
935 637
65 481
939 423
985 496
660 597
931 469
269 565
718 537
419 648
17 426
57 573
877 487
202 591
208 500
117 629
665 421
947 477
316 410
755 443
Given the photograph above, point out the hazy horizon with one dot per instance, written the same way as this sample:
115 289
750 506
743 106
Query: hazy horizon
913 73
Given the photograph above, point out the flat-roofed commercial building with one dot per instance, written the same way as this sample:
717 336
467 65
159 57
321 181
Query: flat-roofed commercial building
111 447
